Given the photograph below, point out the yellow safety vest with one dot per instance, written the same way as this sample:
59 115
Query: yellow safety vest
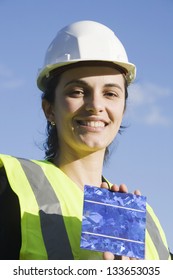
51 213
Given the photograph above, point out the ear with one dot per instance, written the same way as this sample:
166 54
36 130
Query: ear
48 110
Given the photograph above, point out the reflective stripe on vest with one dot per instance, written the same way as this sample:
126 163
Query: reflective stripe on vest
156 238
58 247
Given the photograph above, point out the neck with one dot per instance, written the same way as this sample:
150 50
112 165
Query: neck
86 170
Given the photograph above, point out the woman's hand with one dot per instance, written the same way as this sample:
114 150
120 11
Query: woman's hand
115 188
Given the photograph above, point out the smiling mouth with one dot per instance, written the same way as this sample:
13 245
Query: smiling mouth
94 124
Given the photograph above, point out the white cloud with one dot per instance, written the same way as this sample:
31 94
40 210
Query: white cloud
156 117
141 94
8 79
145 104
12 84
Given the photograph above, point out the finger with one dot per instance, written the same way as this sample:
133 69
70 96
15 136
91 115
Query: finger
123 188
108 256
137 192
115 188
124 258
104 185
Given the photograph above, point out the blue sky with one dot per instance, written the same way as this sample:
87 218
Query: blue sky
142 157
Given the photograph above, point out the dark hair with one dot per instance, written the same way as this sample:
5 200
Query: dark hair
51 145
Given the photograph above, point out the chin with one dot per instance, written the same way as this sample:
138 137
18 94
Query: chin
94 147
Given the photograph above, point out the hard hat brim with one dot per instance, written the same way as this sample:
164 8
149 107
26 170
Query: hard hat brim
49 71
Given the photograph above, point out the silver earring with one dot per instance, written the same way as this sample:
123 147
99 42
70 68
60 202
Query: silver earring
52 123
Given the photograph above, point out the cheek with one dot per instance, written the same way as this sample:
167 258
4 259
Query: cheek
116 112
64 112
70 105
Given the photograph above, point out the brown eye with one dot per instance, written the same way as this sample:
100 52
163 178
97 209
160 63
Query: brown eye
76 93
111 94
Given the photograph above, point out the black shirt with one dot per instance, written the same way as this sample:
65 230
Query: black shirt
10 221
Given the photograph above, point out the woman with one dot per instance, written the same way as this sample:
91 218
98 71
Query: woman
84 82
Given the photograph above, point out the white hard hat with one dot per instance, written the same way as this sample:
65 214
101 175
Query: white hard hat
84 41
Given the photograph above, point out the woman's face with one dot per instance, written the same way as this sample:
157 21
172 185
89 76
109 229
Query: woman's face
88 108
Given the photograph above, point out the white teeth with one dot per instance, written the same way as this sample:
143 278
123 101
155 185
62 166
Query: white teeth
93 124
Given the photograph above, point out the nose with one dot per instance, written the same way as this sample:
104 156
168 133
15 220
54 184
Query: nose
94 104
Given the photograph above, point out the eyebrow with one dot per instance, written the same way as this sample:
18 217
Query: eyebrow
83 83
78 82
113 85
